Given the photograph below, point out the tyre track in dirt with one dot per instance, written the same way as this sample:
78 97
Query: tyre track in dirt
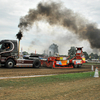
4 72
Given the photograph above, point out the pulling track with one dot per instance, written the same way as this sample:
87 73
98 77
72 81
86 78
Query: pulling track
4 72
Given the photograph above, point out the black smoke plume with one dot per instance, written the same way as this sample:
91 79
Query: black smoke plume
19 35
57 14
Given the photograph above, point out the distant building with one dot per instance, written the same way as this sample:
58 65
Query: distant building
53 50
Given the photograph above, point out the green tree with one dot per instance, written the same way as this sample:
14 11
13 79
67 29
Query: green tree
93 56
96 56
72 51
86 55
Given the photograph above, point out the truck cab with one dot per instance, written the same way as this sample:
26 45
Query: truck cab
8 52
9 56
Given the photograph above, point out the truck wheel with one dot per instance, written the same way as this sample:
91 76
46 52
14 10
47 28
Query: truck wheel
10 63
73 65
79 66
36 63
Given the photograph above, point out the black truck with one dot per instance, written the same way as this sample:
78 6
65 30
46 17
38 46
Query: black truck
9 56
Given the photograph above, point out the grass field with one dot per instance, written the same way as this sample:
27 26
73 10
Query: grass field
75 86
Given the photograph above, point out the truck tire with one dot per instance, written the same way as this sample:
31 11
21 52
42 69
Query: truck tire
73 65
36 63
10 63
79 66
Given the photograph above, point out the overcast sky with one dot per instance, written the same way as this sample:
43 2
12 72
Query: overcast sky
42 34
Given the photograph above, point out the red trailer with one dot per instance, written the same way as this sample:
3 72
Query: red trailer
65 62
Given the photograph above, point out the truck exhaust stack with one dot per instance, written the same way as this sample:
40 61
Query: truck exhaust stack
19 35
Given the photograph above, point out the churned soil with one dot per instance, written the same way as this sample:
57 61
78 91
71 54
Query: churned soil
5 72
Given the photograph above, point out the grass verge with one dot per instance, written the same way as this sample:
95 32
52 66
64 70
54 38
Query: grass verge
45 80
91 63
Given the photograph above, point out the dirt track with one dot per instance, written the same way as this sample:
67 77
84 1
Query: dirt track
83 89
4 72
